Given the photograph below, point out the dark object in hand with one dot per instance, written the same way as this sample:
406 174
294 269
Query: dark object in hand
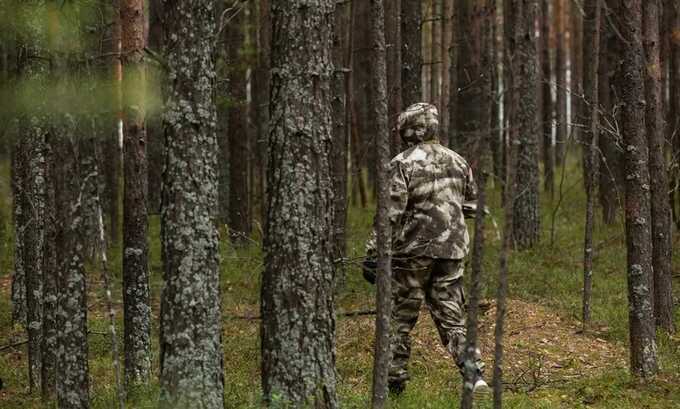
368 268
470 210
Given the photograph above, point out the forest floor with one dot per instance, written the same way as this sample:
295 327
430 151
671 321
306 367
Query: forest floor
549 362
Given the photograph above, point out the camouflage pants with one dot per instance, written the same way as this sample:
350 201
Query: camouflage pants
439 283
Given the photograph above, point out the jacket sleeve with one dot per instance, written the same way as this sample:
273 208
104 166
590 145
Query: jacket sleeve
396 206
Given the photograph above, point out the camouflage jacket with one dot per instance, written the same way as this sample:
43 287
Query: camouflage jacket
429 184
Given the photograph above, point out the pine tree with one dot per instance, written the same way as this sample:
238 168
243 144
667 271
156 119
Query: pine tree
525 74
298 326
137 308
630 85
191 321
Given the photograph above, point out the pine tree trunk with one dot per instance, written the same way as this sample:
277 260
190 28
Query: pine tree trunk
136 303
239 149
661 212
561 80
512 12
33 201
19 275
611 187
80 185
525 67
484 166
469 46
191 325
298 327
111 144
547 106
154 123
446 41
411 52
643 361
50 271
591 42
393 50
674 80
381 354
435 61
340 145
262 103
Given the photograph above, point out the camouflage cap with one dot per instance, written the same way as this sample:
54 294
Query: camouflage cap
418 123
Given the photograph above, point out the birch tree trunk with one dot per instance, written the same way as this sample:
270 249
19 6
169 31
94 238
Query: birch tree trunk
136 303
190 342
643 361
298 326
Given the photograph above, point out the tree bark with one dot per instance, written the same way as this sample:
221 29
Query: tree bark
561 80
154 125
80 185
436 59
483 152
526 221
513 12
674 81
547 106
643 361
339 143
262 103
50 271
446 42
470 73
381 354
393 51
411 52
298 327
239 145
591 42
19 275
136 303
661 212
190 342
33 202
611 188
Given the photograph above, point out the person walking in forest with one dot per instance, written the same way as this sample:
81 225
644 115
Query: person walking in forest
429 186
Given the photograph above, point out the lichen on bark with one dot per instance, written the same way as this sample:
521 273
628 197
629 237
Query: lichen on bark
191 349
298 327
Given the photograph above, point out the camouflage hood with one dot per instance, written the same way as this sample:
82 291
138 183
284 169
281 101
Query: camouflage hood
418 123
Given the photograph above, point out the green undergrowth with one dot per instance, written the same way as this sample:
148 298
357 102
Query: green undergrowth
550 274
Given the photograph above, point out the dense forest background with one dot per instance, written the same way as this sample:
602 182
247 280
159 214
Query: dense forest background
186 188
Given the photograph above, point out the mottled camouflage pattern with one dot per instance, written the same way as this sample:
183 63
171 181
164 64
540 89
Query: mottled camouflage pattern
440 284
418 123
429 184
